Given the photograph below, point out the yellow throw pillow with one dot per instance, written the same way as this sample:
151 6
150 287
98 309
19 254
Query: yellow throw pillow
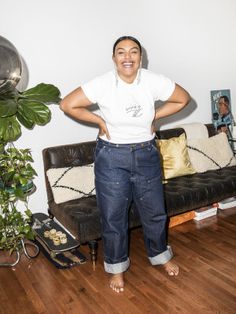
175 158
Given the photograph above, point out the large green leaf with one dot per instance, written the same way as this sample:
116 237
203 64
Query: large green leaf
34 111
27 123
8 107
10 129
46 93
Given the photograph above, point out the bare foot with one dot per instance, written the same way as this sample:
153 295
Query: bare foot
171 268
117 282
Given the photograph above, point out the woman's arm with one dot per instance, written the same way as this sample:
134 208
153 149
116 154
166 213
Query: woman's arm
178 100
76 105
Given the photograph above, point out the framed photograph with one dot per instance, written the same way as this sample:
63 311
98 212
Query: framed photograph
222 117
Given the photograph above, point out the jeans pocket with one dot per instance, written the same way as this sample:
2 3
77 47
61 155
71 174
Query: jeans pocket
103 159
148 157
98 151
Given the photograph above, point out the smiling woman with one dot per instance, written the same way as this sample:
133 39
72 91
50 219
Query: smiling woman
127 164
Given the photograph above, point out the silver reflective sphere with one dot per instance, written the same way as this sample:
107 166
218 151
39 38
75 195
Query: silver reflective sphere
10 65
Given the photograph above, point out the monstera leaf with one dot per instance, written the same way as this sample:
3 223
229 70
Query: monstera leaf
28 108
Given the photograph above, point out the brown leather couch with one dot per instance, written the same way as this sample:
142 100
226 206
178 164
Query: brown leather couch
81 216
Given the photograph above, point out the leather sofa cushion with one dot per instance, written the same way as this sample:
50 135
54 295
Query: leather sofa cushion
200 189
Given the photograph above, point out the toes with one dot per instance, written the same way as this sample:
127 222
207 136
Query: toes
172 272
116 288
171 269
117 283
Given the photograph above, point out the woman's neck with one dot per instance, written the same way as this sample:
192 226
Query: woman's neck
128 79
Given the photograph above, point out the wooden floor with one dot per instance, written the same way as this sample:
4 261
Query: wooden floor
205 252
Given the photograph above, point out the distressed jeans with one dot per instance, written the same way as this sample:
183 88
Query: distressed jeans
126 173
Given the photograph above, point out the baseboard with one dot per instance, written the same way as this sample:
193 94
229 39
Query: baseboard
181 218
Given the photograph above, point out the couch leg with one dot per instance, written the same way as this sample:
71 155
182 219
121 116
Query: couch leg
93 245
51 216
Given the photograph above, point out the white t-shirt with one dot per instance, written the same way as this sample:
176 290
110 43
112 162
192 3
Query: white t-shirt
128 109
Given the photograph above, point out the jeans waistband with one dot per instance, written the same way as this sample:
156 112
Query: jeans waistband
132 145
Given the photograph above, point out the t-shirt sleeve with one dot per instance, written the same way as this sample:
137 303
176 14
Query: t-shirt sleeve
168 88
91 90
162 87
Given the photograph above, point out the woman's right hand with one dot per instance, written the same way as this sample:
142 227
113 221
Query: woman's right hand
103 130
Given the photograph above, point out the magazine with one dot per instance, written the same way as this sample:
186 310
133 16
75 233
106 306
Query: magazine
222 117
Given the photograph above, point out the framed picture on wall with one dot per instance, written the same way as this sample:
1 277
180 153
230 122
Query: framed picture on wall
222 117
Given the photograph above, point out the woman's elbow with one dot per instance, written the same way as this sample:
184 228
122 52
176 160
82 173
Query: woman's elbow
180 96
63 105
183 96
186 99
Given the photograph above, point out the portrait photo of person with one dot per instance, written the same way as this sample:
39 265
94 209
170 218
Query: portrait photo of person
221 111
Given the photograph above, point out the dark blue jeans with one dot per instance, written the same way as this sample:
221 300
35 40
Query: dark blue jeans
125 173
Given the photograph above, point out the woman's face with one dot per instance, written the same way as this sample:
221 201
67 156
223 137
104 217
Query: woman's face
127 58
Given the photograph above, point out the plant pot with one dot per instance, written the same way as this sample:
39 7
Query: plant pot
9 260
30 249
25 188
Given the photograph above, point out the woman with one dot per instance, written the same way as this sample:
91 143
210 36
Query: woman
127 166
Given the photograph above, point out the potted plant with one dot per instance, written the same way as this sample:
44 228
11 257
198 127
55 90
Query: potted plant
17 109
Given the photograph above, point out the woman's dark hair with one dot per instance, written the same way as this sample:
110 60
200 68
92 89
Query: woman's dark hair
126 38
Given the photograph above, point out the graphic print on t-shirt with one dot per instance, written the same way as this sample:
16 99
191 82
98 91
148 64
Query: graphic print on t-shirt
134 110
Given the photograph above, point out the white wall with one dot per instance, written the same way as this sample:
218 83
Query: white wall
67 42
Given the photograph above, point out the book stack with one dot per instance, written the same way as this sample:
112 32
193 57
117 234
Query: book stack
205 212
227 203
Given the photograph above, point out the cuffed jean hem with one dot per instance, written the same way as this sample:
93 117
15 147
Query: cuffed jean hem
117 268
162 258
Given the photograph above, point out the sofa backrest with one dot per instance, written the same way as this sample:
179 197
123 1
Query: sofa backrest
83 153
68 155
168 133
